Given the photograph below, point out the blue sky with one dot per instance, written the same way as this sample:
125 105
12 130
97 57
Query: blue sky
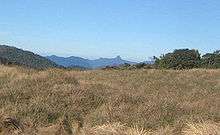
134 29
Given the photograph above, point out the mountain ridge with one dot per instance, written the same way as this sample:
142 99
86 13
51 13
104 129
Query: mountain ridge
10 55
72 61
16 56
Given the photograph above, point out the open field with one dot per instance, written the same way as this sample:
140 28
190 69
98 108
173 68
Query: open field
110 102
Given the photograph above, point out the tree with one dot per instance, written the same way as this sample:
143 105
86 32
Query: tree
179 59
211 60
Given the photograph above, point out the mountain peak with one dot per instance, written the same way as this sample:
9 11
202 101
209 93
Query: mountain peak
118 57
87 63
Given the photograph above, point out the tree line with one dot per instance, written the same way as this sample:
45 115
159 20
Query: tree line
187 59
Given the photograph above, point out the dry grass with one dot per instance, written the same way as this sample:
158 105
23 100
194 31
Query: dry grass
205 128
146 102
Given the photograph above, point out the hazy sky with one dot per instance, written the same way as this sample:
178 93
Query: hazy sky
134 29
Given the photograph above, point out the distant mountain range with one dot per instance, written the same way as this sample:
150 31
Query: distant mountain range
14 56
86 63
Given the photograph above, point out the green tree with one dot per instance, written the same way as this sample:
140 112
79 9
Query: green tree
211 60
179 59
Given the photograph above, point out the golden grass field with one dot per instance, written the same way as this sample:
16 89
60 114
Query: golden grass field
109 102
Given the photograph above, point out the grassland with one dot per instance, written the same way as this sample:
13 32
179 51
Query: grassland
109 102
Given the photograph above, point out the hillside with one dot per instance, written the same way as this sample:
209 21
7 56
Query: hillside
6 62
24 58
109 102
70 61
86 63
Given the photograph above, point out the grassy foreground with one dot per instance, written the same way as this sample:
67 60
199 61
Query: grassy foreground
110 102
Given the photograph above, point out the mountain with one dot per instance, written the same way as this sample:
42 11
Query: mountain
86 63
70 61
103 62
15 56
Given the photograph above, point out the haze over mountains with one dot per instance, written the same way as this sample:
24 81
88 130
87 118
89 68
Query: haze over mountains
14 56
87 63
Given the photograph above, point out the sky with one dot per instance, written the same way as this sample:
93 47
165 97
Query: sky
133 29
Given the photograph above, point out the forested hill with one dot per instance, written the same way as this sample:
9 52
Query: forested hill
13 55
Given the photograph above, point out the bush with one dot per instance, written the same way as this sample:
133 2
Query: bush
140 65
